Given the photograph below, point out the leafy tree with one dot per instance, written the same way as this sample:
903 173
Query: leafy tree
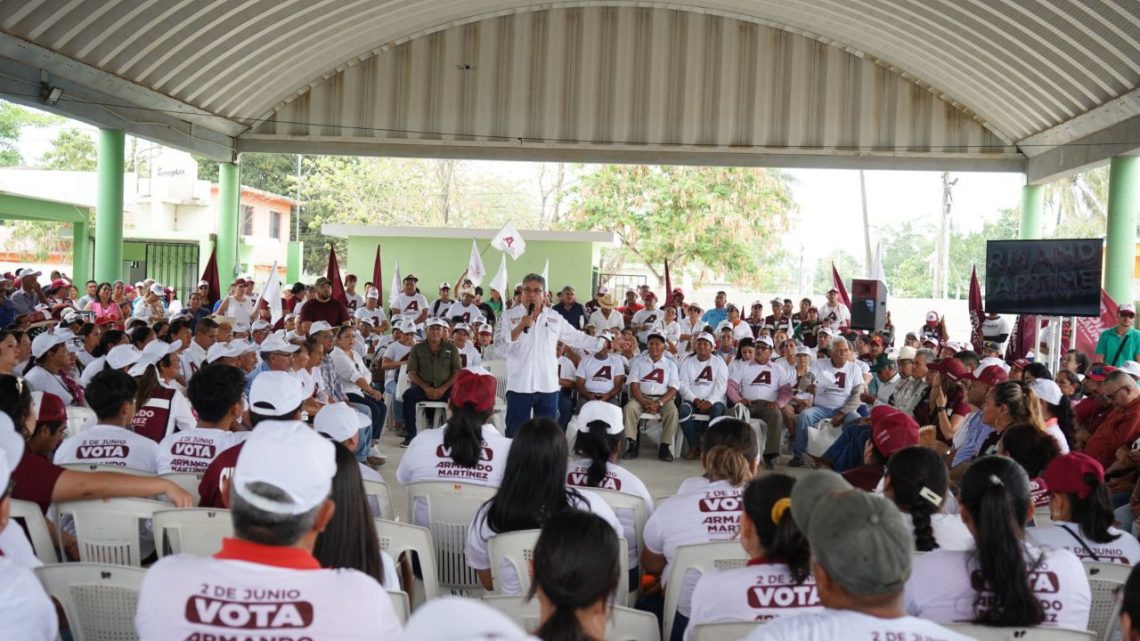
849 267
72 150
13 118
708 220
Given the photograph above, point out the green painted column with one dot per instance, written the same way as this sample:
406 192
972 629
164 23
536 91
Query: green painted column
293 261
1032 212
80 256
229 218
1120 250
109 206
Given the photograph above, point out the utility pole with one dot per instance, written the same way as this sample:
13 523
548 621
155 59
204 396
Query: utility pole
942 253
866 225
297 218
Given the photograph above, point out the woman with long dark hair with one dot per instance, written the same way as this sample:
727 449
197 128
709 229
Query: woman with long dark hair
533 489
1006 405
1032 449
1005 580
1082 513
106 306
9 351
918 483
1056 412
779 560
467 449
162 408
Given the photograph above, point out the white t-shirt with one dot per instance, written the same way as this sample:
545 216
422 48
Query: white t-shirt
478 534
833 385
410 306
397 352
762 592
355 301
614 321
427 459
598 374
761 382
467 312
469 356
852 626
41 380
706 380
838 314
193 450
618 479
15 546
377 315
1125 549
654 377
26 612
109 445
566 369
308 383
941 589
1052 428
712 514
995 328
185 597
241 310
648 317
949 530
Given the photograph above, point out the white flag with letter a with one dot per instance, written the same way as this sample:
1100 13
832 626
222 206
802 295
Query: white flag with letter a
509 241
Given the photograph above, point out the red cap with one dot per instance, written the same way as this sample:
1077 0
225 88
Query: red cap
1099 372
1020 363
952 368
991 376
475 388
1066 473
52 409
104 320
893 432
57 283
879 412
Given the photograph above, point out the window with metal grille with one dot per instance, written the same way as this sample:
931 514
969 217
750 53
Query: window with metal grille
247 220
275 224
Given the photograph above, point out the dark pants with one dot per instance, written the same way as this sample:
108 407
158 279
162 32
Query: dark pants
520 404
565 407
378 412
846 453
415 394
693 429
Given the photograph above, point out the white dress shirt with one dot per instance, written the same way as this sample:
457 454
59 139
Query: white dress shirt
532 361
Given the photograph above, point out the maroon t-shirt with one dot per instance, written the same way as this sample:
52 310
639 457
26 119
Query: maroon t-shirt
34 480
220 469
330 311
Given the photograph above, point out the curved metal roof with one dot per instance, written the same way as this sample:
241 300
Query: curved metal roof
1032 73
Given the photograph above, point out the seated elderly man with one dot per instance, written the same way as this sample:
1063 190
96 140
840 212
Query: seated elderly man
837 389
703 387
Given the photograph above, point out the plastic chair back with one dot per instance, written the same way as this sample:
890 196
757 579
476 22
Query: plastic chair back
185 480
194 530
699 557
725 631
985 633
400 604
398 538
79 419
1104 581
515 550
99 601
626 624
379 497
107 531
102 467
450 508
36 525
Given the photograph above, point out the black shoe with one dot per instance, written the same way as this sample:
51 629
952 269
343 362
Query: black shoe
664 454
630 450
770 461
796 462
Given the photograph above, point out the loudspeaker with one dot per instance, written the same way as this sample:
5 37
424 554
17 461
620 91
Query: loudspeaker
868 304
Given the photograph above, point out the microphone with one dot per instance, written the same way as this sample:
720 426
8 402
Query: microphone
529 311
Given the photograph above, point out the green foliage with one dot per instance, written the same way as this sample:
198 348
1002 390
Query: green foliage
13 117
849 267
706 220
72 150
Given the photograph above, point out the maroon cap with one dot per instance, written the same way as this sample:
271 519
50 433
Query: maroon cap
952 368
893 432
475 388
1020 363
879 412
990 376
52 409
1099 372
1066 473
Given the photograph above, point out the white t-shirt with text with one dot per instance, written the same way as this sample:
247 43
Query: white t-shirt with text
1125 549
193 450
759 592
833 385
109 445
850 625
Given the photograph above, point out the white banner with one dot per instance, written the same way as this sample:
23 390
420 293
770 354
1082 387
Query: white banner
509 241
395 288
271 294
475 270
499 282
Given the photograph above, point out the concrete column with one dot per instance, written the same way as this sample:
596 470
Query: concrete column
80 254
293 261
229 219
1032 212
1120 250
109 206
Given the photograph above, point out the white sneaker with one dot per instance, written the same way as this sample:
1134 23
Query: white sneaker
375 456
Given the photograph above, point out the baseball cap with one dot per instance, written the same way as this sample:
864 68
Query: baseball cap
259 325
764 340
707 337
607 413
990 376
487 329
318 327
932 317
1098 372
121 356
407 326
27 271
952 368
340 421
1046 390
275 343
894 431
803 350
151 354
48 408
723 325
43 343
241 327
203 283
435 621
476 386
990 346
461 327
656 332
275 393
411 277
157 290
1126 308
443 285
290 457
373 293
858 537
224 350
436 322
1067 474
1132 367
833 291
907 353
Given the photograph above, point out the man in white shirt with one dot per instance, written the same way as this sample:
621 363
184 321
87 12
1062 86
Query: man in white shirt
653 384
442 306
886 372
606 315
409 303
355 302
464 309
215 393
703 385
600 377
205 335
530 333
469 356
861 559
646 318
372 310
996 329
833 313
265 582
111 395
765 387
838 384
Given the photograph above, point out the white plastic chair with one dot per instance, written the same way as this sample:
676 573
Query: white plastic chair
379 496
1104 581
1042 517
400 604
516 549
194 530
101 467
724 631
621 503
36 525
985 633
450 508
402 381
107 531
439 417
78 419
99 601
397 538
626 624
185 480
643 421
699 557
498 368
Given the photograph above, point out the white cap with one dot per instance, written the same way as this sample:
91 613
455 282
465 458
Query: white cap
151 354
224 350
445 285
259 325
764 340
11 450
478 318
274 393
723 325
157 290
1132 367
203 283
462 327
1124 307
27 271
436 621
121 356
43 343
607 413
907 353
340 421
1046 390
705 336
406 326
373 293
366 320
436 322
290 457
931 316
319 326
241 327
68 314
803 350
487 328
276 343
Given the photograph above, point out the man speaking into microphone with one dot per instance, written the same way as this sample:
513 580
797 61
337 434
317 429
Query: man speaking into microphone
531 333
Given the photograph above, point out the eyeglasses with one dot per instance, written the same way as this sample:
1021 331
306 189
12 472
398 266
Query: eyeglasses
532 290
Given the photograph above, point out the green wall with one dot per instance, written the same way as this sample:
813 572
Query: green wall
434 260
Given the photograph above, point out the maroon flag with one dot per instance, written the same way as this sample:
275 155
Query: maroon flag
976 313
1028 327
668 286
837 283
210 275
333 275
378 275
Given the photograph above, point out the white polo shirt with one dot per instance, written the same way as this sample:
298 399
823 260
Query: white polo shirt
852 626
833 385
26 612
397 352
427 459
193 358
377 315
706 380
194 449
761 382
618 479
762 592
532 365
600 321
598 374
941 589
1066 535
648 317
654 377
109 445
